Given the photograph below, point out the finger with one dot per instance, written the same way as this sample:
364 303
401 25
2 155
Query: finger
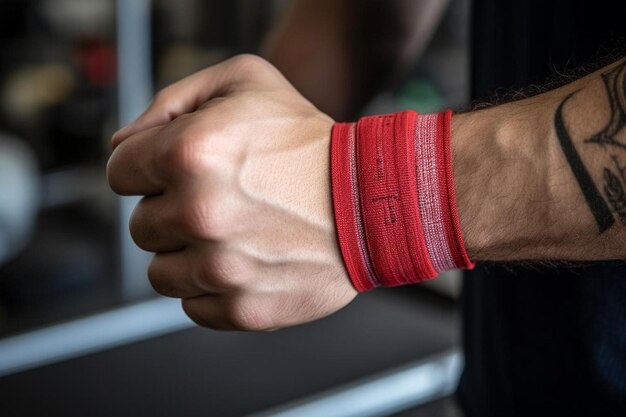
188 94
228 312
172 275
132 168
208 311
154 224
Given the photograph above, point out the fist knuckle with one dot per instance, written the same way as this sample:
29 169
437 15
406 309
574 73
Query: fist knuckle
247 316
192 222
248 61
251 66
214 225
182 156
162 96
201 220
225 270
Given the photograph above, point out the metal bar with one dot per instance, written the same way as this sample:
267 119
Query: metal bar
382 395
135 90
91 334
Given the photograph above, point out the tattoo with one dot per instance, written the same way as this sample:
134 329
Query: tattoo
599 208
615 85
620 169
614 192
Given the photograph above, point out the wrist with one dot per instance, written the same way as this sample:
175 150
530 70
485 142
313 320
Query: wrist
501 162
394 201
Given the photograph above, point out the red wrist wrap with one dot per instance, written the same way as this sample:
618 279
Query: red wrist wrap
394 202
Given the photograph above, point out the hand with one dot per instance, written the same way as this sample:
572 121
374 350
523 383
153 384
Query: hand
234 166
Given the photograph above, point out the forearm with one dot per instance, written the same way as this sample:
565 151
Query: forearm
542 178
309 45
339 54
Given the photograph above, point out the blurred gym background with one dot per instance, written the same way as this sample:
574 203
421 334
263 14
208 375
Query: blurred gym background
81 331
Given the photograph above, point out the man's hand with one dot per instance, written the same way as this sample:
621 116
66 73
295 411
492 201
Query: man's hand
234 166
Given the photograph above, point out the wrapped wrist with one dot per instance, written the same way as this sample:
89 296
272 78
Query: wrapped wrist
393 197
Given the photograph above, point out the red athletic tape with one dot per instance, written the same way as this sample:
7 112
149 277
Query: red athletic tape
393 196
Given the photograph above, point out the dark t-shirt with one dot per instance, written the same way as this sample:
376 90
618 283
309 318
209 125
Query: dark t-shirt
543 341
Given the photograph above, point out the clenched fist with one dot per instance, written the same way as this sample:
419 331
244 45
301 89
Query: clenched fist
234 166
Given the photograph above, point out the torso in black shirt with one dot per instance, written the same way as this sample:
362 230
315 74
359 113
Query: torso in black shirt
543 341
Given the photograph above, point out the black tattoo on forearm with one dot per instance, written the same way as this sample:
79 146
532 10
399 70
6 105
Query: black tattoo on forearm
599 208
613 189
620 168
614 192
618 198
615 85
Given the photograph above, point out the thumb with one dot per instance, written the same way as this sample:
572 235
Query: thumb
186 95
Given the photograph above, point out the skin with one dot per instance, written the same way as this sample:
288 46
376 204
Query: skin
234 165
243 244
520 196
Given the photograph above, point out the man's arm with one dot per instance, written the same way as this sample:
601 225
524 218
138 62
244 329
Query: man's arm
543 178
234 165
339 53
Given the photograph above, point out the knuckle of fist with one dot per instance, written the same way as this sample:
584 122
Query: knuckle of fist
162 96
249 62
246 316
193 221
182 156
202 221
225 270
